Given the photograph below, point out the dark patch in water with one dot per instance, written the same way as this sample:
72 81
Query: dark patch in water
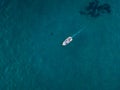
95 9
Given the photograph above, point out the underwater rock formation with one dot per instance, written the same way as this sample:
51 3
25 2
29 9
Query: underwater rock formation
95 9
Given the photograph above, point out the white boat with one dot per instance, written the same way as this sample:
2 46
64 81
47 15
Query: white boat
67 41
70 38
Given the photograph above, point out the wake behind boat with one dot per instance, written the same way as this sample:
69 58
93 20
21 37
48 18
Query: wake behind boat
67 41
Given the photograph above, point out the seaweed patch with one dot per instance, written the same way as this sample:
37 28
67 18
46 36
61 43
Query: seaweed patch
95 9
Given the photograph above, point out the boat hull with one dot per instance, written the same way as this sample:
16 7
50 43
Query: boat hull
67 41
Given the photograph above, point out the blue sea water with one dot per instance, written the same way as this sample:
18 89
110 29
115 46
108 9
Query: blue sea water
32 56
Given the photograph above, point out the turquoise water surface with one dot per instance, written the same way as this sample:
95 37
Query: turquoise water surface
32 56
